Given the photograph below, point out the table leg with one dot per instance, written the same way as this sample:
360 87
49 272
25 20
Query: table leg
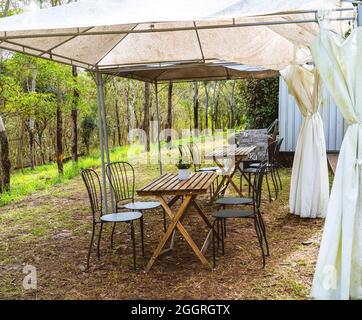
174 221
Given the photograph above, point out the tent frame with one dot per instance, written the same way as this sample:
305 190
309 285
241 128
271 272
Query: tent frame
5 37
102 121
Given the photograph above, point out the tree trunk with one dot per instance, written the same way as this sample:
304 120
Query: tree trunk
196 106
169 111
206 106
118 123
213 112
74 117
19 151
232 106
32 125
146 119
59 138
5 159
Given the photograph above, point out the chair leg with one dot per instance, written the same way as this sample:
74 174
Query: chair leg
241 183
263 229
213 245
249 190
268 186
260 238
222 238
99 241
113 229
142 236
218 232
164 220
225 228
133 246
275 182
280 180
90 245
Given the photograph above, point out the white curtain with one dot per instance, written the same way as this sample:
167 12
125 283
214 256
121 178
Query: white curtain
309 188
338 272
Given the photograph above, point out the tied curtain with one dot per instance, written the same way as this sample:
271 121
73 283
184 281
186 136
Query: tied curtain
338 271
309 189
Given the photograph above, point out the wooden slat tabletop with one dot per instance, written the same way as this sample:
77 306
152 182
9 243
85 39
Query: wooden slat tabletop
169 184
231 152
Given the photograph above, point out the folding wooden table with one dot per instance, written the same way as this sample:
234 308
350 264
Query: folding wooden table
237 155
187 190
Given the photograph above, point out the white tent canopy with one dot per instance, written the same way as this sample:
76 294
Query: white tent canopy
193 72
124 35
104 34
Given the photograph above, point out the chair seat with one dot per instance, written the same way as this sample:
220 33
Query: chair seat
257 165
229 213
121 217
209 169
254 170
234 201
142 205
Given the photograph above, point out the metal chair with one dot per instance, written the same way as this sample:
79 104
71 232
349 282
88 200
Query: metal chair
253 168
274 162
94 189
222 215
121 177
196 159
195 155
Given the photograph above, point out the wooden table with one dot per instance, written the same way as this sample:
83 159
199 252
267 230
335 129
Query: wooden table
188 190
237 155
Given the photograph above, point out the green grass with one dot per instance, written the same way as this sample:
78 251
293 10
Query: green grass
25 182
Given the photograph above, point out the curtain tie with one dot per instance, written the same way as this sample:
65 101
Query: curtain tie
311 115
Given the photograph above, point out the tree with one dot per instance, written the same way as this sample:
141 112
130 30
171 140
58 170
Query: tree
146 118
116 107
259 100
4 142
206 105
169 111
196 105
74 116
87 127
5 161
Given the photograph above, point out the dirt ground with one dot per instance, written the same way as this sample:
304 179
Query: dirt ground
50 230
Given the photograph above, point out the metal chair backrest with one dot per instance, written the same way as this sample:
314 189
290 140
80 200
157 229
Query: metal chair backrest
277 150
258 184
94 189
121 177
271 151
184 153
195 155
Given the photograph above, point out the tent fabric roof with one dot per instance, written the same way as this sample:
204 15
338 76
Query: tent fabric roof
194 72
109 34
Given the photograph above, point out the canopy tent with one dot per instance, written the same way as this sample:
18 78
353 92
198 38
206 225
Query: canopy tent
192 72
109 36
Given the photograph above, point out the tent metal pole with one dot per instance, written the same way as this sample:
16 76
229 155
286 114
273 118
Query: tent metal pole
105 133
206 27
158 129
101 140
